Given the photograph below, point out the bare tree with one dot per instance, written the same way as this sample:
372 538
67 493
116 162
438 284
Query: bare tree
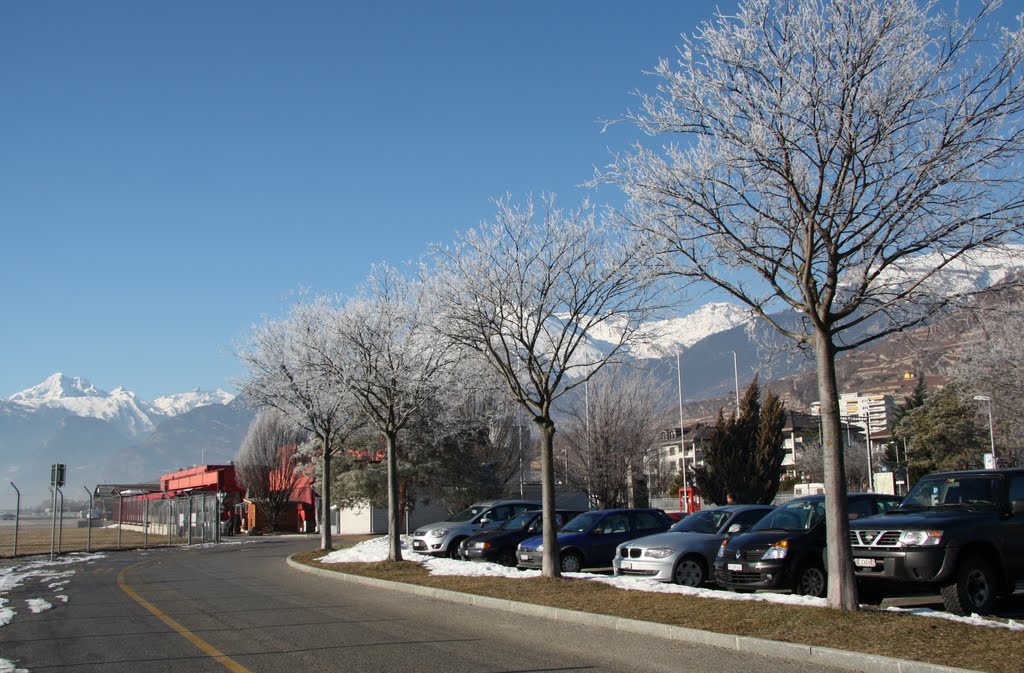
824 145
391 364
525 292
611 432
268 465
992 366
286 361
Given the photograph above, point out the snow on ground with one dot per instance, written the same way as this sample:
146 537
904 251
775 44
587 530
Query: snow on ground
62 598
44 571
376 550
37 605
9 667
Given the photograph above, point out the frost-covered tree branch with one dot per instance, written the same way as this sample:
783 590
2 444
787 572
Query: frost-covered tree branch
525 290
817 149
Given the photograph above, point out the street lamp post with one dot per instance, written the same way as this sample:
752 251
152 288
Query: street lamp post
682 444
991 435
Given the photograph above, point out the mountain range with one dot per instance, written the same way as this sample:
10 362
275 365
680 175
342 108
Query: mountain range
114 437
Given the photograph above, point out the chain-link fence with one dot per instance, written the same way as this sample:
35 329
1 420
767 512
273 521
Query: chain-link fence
117 522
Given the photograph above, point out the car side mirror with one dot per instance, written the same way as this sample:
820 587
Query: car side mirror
735 528
598 531
1017 506
484 522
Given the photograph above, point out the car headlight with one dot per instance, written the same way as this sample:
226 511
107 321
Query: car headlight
920 538
482 545
721 549
659 552
540 547
439 532
776 551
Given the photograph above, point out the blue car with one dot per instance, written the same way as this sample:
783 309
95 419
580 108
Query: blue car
590 540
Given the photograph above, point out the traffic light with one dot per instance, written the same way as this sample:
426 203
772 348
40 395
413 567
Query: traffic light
57 471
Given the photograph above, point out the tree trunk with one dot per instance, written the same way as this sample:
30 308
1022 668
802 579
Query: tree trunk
325 498
551 567
394 526
842 586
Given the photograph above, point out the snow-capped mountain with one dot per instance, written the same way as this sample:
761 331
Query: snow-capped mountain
971 272
120 407
180 403
79 397
665 337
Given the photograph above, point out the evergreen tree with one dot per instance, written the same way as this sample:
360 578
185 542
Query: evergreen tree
712 478
942 434
769 450
744 455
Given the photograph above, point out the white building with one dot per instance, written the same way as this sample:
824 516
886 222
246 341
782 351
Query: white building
872 414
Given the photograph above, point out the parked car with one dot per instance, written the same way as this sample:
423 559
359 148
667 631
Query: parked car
499 545
686 552
960 533
590 539
784 550
444 537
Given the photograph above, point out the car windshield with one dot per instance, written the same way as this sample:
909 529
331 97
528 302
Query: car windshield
961 490
795 515
704 521
582 523
468 514
520 522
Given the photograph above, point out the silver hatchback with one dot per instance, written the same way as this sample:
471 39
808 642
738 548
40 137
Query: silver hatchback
687 551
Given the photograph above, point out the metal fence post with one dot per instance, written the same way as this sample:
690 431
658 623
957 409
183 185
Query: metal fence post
188 520
88 518
120 517
17 518
145 526
60 527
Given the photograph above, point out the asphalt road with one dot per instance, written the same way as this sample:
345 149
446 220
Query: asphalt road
240 608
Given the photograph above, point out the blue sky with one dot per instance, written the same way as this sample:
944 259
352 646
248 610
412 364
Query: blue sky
170 172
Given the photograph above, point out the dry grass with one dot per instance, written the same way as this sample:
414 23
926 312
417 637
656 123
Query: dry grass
889 634
36 540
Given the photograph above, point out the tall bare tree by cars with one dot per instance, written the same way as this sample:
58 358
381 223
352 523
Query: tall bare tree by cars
611 433
992 367
525 291
821 146
391 364
285 359
268 465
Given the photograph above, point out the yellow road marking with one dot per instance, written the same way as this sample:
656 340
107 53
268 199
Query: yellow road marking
208 649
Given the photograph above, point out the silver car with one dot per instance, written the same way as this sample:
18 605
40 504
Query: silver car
685 553
444 537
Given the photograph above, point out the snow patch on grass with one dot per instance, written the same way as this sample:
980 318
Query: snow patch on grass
375 550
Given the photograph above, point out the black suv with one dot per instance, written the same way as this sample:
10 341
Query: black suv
784 550
959 532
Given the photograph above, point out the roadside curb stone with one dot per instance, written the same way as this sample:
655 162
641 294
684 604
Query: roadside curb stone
853 661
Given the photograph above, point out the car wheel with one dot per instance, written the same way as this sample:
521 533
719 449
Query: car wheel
689 572
571 562
974 590
811 581
507 558
453 549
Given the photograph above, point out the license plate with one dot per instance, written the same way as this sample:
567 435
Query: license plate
864 562
416 544
625 565
524 557
735 566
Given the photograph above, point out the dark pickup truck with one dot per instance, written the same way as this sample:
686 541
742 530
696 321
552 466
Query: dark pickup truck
959 532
